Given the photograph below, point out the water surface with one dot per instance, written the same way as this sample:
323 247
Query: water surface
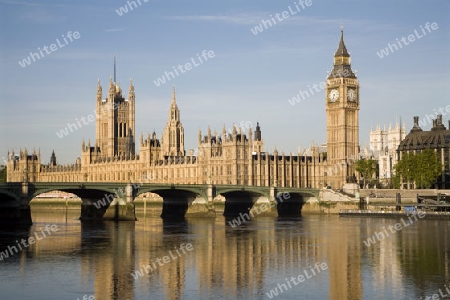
225 262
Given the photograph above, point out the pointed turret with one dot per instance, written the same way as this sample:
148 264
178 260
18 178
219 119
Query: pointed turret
174 97
341 50
341 62
53 159
224 132
173 136
131 87
131 95
99 90
257 132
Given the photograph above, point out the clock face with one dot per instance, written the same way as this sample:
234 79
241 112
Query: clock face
333 95
351 95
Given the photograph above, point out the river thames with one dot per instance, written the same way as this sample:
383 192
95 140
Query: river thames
312 257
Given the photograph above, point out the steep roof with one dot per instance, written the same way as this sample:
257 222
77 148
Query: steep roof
417 139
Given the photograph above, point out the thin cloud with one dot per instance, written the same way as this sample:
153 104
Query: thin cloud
19 3
257 17
41 16
240 19
114 29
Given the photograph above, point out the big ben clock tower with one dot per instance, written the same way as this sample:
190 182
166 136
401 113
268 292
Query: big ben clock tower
342 106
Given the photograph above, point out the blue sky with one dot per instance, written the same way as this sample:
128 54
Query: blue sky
250 78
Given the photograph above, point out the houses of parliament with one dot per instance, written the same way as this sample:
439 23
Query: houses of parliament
235 158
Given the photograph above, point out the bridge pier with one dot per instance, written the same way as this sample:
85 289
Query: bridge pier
120 211
116 211
238 203
24 209
90 211
16 212
291 207
13 216
175 204
117 206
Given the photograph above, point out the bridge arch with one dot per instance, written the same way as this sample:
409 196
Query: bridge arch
292 206
9 197
176 199
240 200
97 199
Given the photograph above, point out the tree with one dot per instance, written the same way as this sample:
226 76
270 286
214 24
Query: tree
421 168
405 170
3 174
367 167
429 167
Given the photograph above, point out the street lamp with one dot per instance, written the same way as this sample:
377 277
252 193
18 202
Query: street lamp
25 175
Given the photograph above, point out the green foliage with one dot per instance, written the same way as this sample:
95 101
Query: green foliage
422 169
396 182
367 167
3 175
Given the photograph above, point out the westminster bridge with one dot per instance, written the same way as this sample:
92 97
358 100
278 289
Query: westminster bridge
114 201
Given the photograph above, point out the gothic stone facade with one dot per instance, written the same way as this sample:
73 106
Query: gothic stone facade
236 157
384 144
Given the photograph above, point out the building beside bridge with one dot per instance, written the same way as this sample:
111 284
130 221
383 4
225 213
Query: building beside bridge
237 157
437 138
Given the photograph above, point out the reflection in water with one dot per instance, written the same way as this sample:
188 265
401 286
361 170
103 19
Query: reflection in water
108 251
244 262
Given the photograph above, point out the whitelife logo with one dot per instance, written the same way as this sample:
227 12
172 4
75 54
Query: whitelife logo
318 267
266 24
31 240
85 120
187 66
124 9
33 55
411 38
162 261
439 296
246 217
393 229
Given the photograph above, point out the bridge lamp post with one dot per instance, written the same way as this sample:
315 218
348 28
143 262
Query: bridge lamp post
25 175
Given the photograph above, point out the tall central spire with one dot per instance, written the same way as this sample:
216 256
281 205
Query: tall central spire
173 95
342 50
172 142
115 69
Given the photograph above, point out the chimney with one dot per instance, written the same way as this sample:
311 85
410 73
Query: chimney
434 123
416 126
439 120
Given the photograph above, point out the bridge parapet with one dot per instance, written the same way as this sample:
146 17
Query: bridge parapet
98 197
